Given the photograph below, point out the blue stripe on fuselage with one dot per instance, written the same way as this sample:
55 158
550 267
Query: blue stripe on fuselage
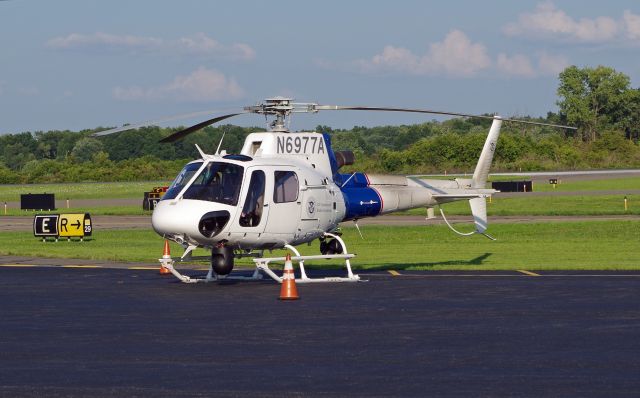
360 199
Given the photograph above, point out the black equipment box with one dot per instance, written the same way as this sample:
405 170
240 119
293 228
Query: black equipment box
38 201
150 200
512 186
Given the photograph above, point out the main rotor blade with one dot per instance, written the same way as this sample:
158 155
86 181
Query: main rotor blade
162 120
412 110
182 133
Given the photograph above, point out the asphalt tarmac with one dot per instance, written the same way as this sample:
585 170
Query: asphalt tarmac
130 332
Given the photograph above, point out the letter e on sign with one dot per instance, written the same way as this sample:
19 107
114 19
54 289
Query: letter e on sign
45 225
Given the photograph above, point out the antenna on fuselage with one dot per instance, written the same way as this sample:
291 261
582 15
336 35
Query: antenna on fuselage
355 222
202 154
220 143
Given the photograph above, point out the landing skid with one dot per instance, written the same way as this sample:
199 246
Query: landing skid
262 266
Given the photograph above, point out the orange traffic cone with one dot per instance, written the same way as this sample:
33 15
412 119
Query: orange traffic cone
288 291
166 256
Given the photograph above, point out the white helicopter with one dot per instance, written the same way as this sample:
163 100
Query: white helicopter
285 189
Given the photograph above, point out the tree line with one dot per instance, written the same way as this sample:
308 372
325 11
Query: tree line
599 101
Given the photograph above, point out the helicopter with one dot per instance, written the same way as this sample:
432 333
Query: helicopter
285 189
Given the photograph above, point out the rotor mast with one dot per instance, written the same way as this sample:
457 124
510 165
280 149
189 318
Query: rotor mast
281 108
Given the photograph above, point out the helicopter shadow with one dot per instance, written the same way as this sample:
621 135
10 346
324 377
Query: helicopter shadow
388 266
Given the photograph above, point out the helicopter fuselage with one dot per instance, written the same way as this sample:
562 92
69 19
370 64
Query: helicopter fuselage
278 191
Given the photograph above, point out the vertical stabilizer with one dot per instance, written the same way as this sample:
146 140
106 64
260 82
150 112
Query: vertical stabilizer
479 212
481 173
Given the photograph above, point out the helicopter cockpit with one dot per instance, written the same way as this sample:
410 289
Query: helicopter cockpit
218 182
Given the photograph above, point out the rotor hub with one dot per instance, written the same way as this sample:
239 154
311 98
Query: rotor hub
281 108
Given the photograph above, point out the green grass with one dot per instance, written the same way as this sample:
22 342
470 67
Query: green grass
524 205
567 185
85 190
568 245
630 183
94 211
519 206
547 206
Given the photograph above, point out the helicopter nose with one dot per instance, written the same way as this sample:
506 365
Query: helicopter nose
213 222
190 219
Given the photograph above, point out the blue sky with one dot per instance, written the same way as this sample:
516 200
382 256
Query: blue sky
73 64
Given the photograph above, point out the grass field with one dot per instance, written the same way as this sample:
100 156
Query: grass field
134 190
547 205
569 185
85 190
94 211
526 205
569 245
590 185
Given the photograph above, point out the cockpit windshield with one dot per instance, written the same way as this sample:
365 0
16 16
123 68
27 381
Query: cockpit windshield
181 180
217 182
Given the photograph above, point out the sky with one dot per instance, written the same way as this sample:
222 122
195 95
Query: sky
76 64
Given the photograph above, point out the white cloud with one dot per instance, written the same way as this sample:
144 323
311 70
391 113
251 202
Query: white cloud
549 22
202 85
550 64
631 25
517 65
203 44
198 44
456 55
78 41
520 65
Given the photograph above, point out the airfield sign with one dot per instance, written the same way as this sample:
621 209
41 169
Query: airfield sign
73 225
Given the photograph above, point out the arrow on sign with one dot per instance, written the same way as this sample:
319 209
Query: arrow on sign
77 224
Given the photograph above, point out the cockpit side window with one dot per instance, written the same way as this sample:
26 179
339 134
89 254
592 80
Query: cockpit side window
252 209
286 187
181 180
217 182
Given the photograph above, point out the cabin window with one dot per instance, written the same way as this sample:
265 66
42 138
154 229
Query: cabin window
253 204
286 187
217 182
181 180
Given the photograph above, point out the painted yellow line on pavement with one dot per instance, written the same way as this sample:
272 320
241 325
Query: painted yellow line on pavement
81 266
394 273
19 265
528 272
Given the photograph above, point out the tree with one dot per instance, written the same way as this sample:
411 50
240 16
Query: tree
592 98
86 148
628 117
